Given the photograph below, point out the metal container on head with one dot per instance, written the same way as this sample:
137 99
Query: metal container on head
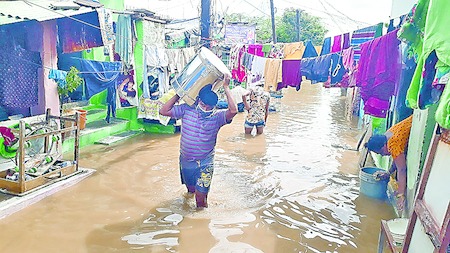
205 68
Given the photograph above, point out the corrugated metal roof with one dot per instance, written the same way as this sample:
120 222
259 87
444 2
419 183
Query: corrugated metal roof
40 10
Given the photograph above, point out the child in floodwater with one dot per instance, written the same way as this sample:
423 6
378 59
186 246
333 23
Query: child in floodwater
257 108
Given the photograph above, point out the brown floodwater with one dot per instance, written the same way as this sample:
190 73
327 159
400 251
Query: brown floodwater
293 189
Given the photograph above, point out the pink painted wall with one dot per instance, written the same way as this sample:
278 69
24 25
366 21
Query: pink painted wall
48 93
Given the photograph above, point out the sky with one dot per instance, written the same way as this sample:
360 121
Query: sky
338 16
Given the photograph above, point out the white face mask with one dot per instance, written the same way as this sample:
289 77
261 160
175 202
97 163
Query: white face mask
205 113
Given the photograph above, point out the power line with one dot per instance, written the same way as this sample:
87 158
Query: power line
353 20
49 68
332 18
78 20
226 10
256 8
325 12
175 5
48 9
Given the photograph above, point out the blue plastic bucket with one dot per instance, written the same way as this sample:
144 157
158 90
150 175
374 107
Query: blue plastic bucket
371 187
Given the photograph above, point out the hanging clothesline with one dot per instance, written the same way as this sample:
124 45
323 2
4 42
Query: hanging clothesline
328 68
50 68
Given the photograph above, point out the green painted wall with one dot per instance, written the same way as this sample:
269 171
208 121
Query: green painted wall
139 55
114 4
96 54
92 137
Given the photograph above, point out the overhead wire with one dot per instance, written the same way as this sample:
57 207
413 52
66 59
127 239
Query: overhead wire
256 8
226 10
72 18
175 5
332 18
331 15
325 12
349 18
49 68
78 20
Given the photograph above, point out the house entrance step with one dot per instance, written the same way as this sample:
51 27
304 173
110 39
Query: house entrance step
118 137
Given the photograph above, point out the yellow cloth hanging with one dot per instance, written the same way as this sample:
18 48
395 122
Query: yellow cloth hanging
294 51
272 74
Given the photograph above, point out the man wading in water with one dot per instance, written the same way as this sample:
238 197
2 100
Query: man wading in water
200 126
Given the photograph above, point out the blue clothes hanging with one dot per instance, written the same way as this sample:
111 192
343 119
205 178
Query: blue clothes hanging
310 50
124 38
326 47
99 75
337 68
428 95
111 103
321 68
19 70
59 76
306 67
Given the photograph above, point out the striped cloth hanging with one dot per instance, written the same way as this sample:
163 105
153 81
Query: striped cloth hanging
363 35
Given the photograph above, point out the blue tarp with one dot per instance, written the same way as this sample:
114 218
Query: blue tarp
99 76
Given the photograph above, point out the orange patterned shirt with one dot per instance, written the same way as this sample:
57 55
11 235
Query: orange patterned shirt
400 135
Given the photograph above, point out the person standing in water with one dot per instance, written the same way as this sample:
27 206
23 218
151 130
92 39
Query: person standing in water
257 108
200 126
394 143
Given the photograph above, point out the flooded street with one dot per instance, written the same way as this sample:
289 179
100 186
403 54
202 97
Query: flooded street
292 189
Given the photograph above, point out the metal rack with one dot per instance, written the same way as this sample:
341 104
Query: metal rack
22 186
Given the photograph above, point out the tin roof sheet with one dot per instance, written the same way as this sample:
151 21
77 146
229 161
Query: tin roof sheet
40 10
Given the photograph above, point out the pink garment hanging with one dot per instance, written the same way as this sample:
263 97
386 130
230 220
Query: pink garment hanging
337 44
348 80
347 58
256 49
379 73
292 75
238 71
346 42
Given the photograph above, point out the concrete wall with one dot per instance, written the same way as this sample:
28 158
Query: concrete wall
419 142
49 57
47 88
437 198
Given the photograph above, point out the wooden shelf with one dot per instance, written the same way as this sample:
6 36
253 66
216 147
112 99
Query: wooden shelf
14 187
31 180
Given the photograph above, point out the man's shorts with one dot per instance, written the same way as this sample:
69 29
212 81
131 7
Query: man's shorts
197 173
257 124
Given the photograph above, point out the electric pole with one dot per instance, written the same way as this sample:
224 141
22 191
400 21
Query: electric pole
205 23
272 14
